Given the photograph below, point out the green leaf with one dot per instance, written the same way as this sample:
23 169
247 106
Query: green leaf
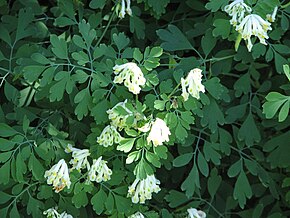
36 167
174 39
59 46
216 89
191 182
242 189
98 201
5 173
25 17
264 7
286 71
99 111
211 153
80 199
122 204
284 112
222 28
235 168
158 6
137 26
208 42
276 148
95 4
32 73
182 160
175 198
202 164
212 116
213 182
81 57
126 145
215 5
6 131
153 159
110 203
64 83
121 40
159 104
21 168
180 132
84 101
34 207
14 212
4 197
249 131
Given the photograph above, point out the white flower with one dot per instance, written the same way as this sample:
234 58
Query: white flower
237 10
65 215
192 84
254 25
271 17
52 213
137 215
58 176
125 9
80 159
142 190
159 132
99 171
131 75
109 136
194 213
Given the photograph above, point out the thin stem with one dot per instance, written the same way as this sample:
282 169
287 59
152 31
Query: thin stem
286 5
174 90
106 29
3 79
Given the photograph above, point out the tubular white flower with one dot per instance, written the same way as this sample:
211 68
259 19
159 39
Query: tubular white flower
80 159
58 176
125 9
128 8
194 213
254 25
192 84
99 171
122 11
272 17
131 75
51 213
65 215
109 136
159 132
137 215
237 10
142 190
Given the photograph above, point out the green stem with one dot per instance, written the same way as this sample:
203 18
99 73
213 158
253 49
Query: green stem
174 90
219 59
106 29
286 5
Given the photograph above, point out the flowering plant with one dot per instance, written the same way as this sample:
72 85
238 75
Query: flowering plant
142 108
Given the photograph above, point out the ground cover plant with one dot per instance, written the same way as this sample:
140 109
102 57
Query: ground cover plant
143 108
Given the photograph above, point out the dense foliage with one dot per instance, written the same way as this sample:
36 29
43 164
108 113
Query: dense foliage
67 101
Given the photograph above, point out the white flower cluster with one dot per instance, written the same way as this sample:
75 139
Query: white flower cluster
52 213
192 84
142 190
131 75
137 215
194 213
237 10
58 176
109 136
99 171
159 132
125 9
80 157
251 24
254 25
